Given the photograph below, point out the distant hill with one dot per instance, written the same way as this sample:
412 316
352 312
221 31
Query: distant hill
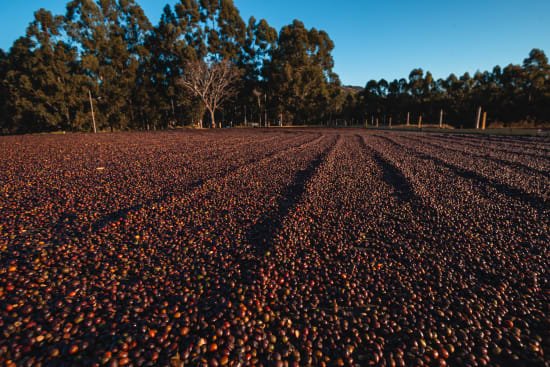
352 88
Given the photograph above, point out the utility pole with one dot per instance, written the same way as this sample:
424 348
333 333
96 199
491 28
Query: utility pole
92 109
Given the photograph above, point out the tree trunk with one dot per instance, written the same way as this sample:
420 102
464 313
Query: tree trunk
132 117
92 111
68 119
212 118
173 108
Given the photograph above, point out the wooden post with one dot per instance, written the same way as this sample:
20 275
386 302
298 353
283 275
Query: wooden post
478 117
408 118
484 121
377 122
92 109
390 120
420 122
259 109
441 119
265 110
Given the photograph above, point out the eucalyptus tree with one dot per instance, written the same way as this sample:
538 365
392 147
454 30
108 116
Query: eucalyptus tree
300 73
212 31
4 67
260 41
537 86
170 45
110 35
44 84
212 81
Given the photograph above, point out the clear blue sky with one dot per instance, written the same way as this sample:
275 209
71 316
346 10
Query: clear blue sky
379 39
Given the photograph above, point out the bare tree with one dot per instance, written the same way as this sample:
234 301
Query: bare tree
213 82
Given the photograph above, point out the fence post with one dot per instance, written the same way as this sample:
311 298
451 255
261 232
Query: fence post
441 119
478 117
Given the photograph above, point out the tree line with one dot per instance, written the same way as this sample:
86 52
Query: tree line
106 55
515 93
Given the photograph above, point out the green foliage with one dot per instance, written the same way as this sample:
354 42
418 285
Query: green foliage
4 65
515 93
299 74
44 81
111 36
133 71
